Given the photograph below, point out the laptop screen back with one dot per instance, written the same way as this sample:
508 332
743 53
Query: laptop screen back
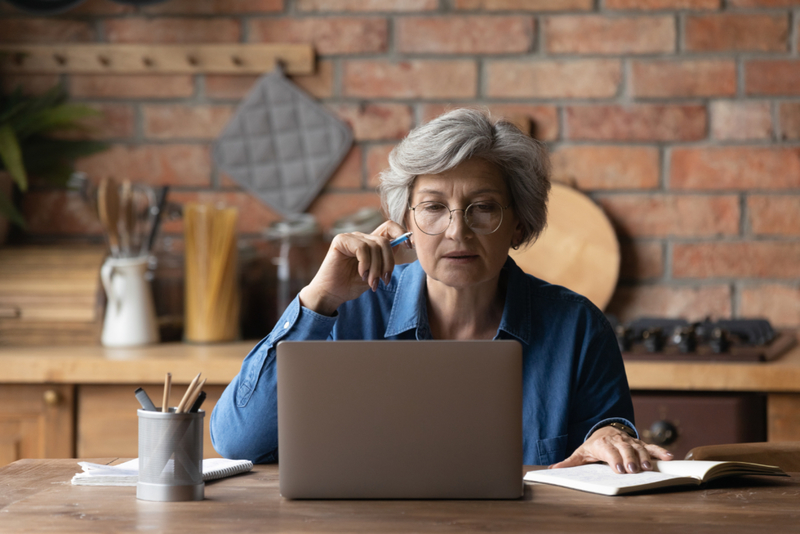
400 419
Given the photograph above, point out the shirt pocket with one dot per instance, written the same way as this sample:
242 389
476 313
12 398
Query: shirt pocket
552 450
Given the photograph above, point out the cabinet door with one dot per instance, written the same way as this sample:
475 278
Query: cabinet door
36 421
108 426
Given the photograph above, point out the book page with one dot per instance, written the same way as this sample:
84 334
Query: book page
600 478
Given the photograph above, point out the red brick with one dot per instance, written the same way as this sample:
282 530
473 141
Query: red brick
665 78
464 34
738 120
377 162
349 173
772 77
368 5
172 30
45 31
254 215
763 3
116 121
638 122
660 215
59 212
33 84
641 260
737 32
213 7
598 34
606 167
329 35
780 304
690 303
372 122
177 165
654 5
525 5
410 79
774 215
178 121
319 84
586 78
758 259
130 86
542 120
790 120
741 167
330 207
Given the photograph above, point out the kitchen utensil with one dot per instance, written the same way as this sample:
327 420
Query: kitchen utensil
578 249
108 210
157 213
127 223
282 145
130 318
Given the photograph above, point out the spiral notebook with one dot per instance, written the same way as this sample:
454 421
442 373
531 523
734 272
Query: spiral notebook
127 474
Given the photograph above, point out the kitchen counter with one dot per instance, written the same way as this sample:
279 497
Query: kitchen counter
220 363
58 402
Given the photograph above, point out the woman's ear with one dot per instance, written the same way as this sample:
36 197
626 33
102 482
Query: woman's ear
516 237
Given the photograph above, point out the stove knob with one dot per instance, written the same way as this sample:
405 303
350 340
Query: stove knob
662 433
653 339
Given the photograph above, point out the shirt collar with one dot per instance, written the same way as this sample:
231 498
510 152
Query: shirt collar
409 309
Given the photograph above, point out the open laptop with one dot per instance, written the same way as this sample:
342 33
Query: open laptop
400 419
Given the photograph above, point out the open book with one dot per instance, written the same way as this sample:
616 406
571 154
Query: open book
127 474
600 478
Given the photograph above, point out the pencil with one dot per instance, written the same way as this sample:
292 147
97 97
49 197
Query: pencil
194 395
189 390
167 385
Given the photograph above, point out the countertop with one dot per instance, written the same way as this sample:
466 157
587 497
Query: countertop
221 362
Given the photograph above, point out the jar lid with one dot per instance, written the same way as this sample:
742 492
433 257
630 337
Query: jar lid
298 225
364 220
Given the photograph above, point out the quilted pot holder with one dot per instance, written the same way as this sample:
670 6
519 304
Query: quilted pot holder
281 145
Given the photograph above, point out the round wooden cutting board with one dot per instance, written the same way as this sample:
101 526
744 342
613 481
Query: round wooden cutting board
578 249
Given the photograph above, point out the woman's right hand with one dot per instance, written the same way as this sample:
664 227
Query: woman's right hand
354 263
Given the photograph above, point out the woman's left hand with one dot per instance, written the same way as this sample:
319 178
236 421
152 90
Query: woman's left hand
619 450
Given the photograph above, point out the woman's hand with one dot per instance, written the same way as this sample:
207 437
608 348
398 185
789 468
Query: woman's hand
355 262
616 448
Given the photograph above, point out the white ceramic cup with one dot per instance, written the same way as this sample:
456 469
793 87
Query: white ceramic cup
130 318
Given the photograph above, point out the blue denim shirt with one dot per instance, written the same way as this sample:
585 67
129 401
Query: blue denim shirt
573 376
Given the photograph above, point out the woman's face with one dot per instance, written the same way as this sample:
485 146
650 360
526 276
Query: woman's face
459 257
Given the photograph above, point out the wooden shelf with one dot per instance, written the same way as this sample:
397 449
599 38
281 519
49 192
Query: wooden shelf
156 59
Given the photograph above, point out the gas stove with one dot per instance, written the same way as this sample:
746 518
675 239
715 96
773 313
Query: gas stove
744 340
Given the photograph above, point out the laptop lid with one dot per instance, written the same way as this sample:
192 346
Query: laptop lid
400 419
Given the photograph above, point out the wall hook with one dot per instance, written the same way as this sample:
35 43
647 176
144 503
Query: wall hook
104 60
60 59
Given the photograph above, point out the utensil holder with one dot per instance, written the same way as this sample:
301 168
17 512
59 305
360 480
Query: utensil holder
170 456
130 318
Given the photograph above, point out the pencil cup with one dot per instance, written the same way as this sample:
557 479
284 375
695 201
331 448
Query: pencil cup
170 456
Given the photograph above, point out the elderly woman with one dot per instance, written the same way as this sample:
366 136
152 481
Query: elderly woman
468 189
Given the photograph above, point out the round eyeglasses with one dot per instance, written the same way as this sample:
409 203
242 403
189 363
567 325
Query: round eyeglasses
483 217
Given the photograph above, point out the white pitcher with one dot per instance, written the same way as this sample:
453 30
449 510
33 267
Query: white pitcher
130 313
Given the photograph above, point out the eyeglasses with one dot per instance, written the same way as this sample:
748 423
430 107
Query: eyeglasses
483 217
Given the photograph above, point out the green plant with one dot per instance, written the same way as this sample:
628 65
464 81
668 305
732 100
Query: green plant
30 145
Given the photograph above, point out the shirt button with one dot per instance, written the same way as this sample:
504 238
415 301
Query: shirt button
286 325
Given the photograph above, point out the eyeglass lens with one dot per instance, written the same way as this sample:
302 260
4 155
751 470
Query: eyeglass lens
481 217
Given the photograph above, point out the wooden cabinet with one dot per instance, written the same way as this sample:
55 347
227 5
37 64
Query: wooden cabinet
109 427
36 421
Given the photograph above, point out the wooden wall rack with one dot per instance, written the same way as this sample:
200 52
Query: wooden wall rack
156 59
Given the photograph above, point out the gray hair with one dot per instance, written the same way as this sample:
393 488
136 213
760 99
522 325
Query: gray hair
457 136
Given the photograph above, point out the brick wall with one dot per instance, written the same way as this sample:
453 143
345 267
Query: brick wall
680 117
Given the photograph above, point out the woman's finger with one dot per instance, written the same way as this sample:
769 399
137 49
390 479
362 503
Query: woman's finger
659 452
644 456
630 458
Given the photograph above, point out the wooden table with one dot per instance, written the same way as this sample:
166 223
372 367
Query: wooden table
36 496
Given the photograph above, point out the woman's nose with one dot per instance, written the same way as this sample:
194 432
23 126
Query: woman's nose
458 225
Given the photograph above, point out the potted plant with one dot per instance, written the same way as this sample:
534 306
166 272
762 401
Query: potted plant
30 145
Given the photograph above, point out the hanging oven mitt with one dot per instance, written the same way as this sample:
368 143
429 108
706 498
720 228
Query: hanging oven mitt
281 145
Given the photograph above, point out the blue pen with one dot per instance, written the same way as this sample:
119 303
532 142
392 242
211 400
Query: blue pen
402 239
